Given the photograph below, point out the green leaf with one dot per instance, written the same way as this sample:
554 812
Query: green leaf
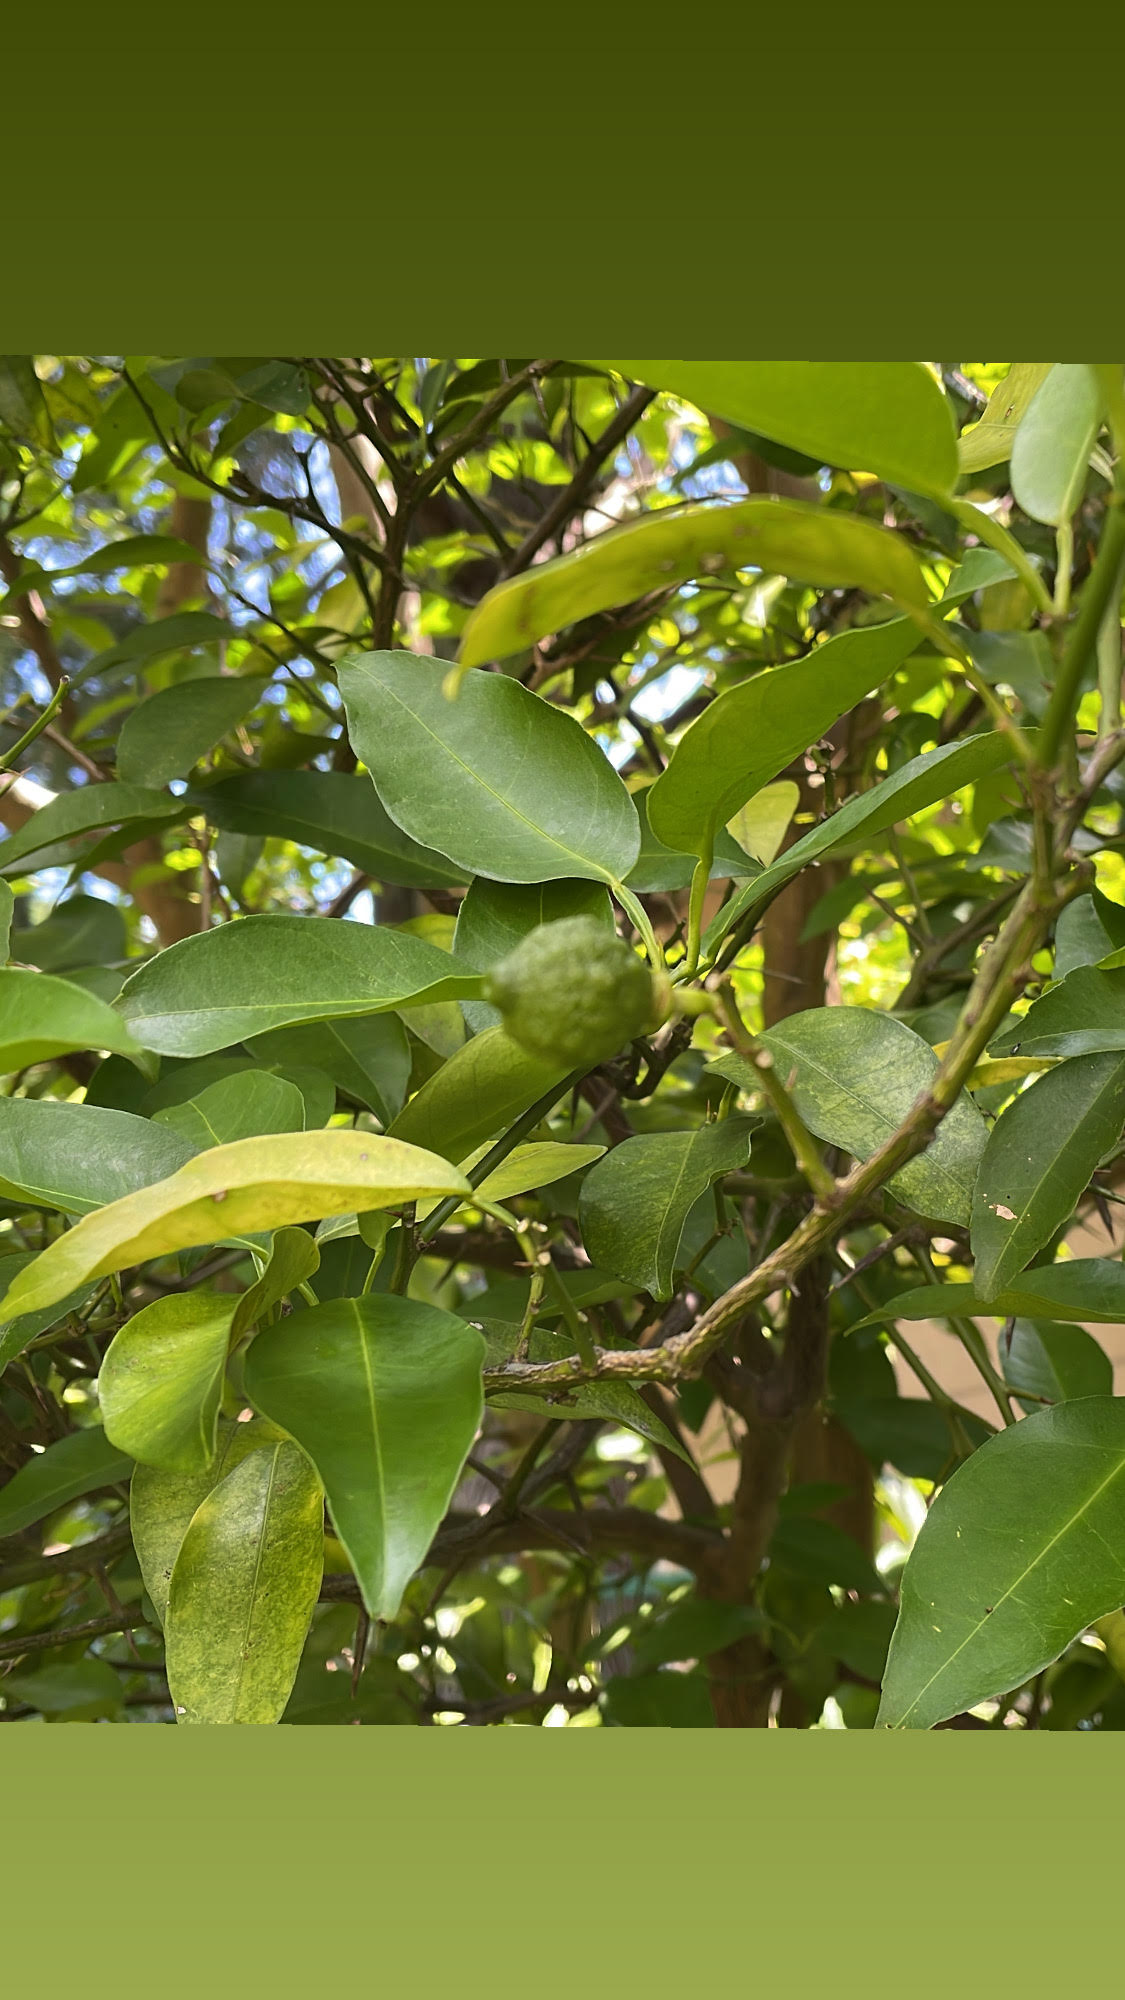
384 1394
692 1630
7 907
853 1075
183 632
750 733
236 1107
506 1298
162 1504
367 1057
822 1553
788 537
885 417
503 783
1055 1362
1088 930
634 1204
16 1333
41 1017
1021 1550
78 1691
1083 1015
494 917
920 783
83 930
77 1157
293 1259
161 1380
608 1402
92 808
661 1700
243 1590
1052 446
1085 1288
80 1463
23 406
990 441
132 552
266 972
658 867
533 1166
235 1190
331 813
910 1433
164 736
489 1082
183 1081
1040 1155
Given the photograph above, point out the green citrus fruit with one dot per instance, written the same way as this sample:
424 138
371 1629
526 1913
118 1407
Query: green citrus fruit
571 992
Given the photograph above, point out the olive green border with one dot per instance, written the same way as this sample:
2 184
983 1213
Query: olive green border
649 1862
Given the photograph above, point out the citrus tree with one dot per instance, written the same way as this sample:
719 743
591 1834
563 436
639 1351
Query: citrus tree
552 910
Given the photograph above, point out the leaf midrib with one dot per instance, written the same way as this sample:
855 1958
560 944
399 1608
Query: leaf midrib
541 832
1045 1551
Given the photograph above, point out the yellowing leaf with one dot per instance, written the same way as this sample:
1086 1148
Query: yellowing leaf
252 1184
790 537
759 826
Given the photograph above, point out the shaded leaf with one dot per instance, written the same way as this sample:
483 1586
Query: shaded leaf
77 1691
489 1082
331 813
164 736
83 930
89 809
1055 1362
82 1462
634 1204
367 1056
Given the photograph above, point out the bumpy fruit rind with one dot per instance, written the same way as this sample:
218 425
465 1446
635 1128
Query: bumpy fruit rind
571 992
